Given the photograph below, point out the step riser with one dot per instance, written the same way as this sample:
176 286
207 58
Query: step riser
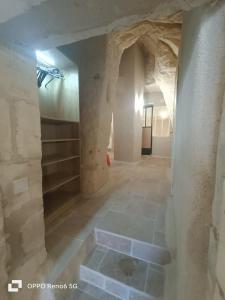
137 249
111 286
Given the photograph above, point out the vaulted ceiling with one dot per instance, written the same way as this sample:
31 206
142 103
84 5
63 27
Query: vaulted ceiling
51 23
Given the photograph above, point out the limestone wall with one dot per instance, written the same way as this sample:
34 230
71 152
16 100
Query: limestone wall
216 262
128 106
98 60
123 108
199 104
160 42
139 101
22 245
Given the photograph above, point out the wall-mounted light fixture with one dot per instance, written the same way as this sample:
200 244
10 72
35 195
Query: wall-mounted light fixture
46 66
44 59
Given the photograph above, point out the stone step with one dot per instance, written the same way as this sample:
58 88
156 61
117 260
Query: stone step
86 291
136 238
122 276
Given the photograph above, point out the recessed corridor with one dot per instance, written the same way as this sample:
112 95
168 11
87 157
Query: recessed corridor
124 222
88 89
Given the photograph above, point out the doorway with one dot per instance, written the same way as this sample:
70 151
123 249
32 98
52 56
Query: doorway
147 129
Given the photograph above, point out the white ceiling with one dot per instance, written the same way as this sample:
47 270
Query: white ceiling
58 22
12 8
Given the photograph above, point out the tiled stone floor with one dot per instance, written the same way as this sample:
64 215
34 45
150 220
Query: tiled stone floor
89 292
138 274
133 200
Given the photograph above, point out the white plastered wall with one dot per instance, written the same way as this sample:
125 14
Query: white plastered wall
199 105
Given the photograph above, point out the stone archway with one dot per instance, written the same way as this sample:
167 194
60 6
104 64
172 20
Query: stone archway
99 60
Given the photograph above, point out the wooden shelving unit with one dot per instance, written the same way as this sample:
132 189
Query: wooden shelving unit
59 140
60 163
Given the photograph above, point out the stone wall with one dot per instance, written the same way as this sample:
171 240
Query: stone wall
128 106
160 43
98 60
199 104
216 262
22 246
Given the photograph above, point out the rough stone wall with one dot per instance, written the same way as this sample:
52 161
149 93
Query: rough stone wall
216 262
21 204
95 118
123 109
199 105
128 106
99 60
160 41
3 256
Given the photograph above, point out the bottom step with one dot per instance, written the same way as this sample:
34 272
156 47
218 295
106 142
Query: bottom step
122 276
86 291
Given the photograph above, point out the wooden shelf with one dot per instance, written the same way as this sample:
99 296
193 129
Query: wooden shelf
55 181
60 163
51 120
59 140
54 159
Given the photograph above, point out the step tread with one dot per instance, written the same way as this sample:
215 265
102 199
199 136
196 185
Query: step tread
141 250
86 291
129 272
130 226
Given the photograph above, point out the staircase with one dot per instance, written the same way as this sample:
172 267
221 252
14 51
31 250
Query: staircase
122 266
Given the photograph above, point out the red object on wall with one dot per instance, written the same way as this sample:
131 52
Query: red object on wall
108 160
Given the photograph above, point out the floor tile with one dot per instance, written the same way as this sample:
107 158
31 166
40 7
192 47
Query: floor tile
124 269
80 295
95 258
95 292
155 283
151 253
132 205
130 226
114 242
92 277
116 288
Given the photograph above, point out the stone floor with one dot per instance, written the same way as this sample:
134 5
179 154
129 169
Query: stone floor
138 274
132 205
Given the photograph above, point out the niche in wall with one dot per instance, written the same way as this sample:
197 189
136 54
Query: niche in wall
60 133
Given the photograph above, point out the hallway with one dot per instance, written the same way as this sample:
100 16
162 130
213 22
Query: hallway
80 80
128 219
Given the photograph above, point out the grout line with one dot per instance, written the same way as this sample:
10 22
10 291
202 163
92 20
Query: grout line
101 260
85 268
131 255
146 278
153 237
129 239
113 249
132 249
